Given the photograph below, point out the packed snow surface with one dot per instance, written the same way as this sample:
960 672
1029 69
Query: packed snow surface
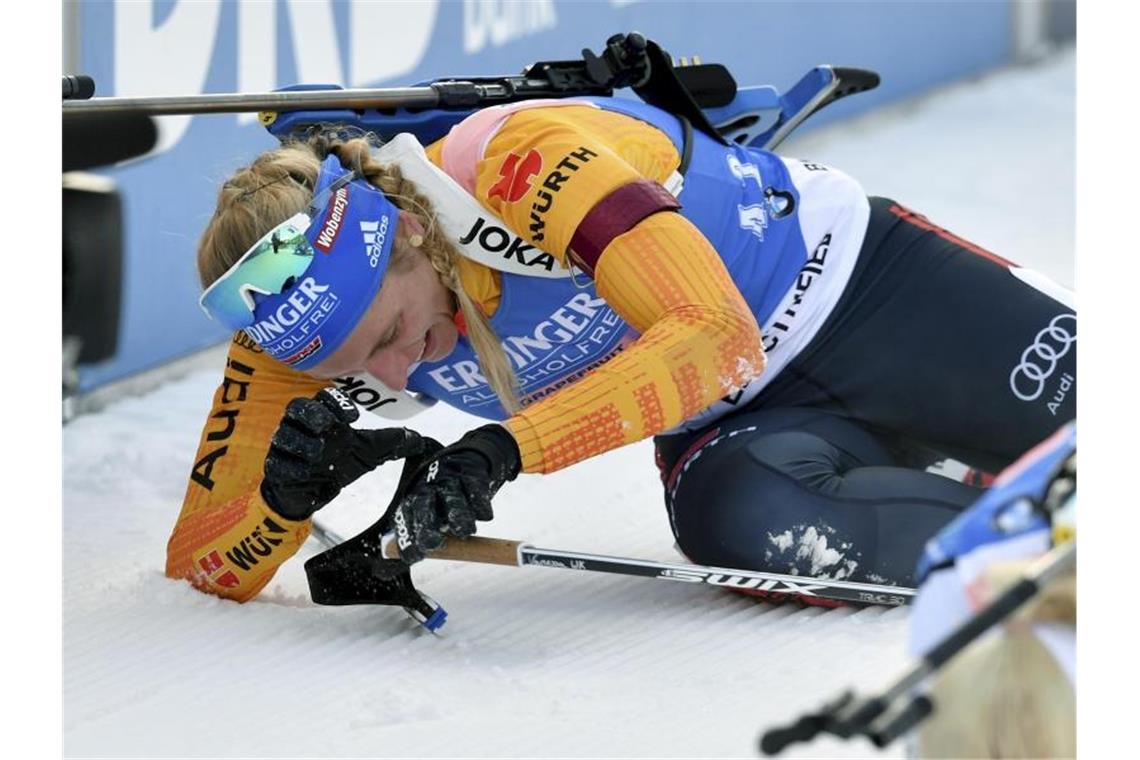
533 662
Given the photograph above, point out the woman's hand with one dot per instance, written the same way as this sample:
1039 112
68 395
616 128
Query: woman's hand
454 489
315 453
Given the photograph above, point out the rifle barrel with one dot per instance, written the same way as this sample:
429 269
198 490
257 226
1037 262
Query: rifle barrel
291 100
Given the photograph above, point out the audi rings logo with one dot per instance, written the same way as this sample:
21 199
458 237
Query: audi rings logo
1027 381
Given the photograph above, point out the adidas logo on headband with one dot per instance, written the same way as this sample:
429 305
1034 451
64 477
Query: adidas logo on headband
374 235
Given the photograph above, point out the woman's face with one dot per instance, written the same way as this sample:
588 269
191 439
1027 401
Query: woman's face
411 319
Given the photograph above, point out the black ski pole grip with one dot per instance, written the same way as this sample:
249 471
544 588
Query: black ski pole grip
807 727
775 740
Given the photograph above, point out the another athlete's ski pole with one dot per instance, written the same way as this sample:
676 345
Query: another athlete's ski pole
877 717
497 551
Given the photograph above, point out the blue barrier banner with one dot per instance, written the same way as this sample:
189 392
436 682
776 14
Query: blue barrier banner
186 47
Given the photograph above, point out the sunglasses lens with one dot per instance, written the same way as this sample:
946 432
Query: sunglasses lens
270 267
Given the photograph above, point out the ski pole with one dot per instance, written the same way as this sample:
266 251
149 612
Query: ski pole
876 717
327 537
497 551
353 576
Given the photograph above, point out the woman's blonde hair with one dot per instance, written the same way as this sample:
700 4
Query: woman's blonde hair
281 182
1006 696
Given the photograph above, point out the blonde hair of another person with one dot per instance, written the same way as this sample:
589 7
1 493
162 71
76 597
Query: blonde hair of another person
1006 696
281 182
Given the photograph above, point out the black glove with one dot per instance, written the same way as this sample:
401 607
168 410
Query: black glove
315 453
453 489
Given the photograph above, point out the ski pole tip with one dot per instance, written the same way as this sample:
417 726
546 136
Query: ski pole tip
430 614
436 620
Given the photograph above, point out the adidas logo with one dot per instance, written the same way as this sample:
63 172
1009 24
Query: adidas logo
374 235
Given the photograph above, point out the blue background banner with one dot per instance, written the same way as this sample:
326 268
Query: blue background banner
186 47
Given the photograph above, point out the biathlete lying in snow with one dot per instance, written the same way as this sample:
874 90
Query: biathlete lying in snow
799 351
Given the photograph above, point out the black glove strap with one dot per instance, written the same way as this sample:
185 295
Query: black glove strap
496 444
355 572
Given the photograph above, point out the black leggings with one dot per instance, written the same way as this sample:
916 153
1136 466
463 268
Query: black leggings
935 349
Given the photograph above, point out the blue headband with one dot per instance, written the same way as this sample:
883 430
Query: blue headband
351 232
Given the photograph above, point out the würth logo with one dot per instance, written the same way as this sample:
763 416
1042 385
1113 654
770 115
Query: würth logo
258 544
210 565
515 174
211 562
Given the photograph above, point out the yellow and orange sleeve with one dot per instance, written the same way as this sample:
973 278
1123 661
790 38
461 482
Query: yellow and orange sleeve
227 540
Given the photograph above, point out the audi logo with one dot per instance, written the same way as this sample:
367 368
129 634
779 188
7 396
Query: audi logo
1027 381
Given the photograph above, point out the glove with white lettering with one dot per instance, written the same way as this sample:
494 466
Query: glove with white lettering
315 453
454 489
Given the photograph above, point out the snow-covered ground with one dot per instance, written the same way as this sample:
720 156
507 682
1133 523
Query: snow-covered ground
533 662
